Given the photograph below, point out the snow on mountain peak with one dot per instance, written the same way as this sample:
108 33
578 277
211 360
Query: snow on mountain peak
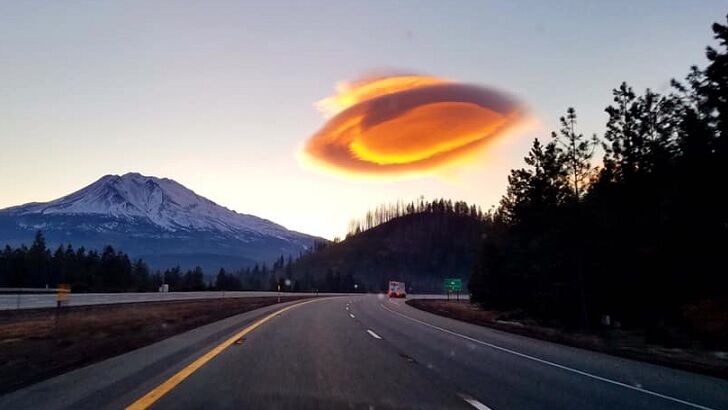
160 201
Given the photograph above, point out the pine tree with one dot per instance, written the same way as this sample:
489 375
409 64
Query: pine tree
38 260
576 153
532 191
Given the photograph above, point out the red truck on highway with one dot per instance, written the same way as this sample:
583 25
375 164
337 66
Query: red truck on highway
396 289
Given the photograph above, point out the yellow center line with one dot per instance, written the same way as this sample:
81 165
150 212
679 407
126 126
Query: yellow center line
158 392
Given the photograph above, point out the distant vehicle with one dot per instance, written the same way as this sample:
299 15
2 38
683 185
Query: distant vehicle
396 289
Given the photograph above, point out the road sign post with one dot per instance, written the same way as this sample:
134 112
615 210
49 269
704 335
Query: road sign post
453 285
62 292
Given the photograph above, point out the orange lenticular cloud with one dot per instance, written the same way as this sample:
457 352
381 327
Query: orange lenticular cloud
351 93
407 124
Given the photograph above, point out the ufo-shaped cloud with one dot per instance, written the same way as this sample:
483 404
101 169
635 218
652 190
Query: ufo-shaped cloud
408 123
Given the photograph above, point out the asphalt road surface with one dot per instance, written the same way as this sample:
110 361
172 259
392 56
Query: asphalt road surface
366 352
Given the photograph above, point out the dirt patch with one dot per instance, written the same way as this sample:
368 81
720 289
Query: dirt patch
41 343
629 344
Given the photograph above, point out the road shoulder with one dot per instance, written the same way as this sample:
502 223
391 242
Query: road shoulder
706 363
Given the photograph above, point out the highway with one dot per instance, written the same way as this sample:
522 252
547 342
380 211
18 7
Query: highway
368 352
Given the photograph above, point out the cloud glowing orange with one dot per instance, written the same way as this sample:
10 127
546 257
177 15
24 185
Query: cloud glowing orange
408 123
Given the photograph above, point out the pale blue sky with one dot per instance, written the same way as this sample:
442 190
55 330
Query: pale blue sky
219 95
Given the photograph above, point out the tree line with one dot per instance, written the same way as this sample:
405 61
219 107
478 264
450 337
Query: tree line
110 270
639 239
420 243
92 271
85 270
387 212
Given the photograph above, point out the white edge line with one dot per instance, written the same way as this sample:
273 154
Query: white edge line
374 335
559 366
471 401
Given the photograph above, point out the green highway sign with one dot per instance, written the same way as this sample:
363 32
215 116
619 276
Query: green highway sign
453 285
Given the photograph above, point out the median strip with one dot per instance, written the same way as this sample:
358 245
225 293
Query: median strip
83 335
158 392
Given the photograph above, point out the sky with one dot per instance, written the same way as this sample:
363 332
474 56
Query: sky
221 95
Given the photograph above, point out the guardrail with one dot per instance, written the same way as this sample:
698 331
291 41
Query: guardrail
29 290
61 292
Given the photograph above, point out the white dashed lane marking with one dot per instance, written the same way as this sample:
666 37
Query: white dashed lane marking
372 334
471 401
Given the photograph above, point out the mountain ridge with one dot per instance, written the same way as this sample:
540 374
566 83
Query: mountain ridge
123 209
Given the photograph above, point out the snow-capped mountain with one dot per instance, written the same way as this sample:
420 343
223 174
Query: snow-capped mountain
154 218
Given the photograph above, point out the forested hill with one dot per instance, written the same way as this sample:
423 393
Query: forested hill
424 244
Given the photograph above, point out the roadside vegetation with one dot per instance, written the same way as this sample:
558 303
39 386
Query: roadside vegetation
637 241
